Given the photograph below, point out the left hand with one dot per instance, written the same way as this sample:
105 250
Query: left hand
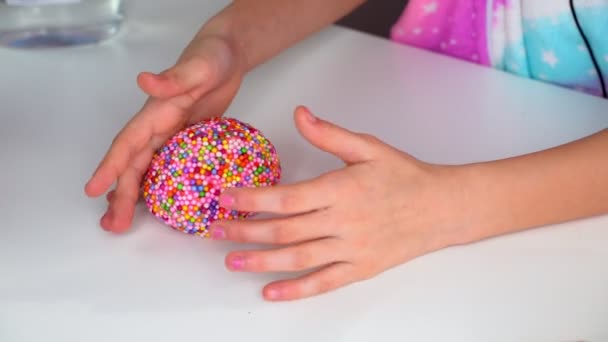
381 210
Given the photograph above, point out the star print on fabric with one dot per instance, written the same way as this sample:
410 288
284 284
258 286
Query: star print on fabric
606 58
582 48
417 31
592 72
430 7
550 58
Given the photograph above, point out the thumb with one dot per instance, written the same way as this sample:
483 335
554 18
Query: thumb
349 146
196 74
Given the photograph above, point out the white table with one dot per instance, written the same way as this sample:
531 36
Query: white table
63 279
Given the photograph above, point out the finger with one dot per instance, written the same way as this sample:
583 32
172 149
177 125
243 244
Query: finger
122 207
123 200
156 119
322 281
349 146
280 231
131 140
289 259
140 164
181 78
306 196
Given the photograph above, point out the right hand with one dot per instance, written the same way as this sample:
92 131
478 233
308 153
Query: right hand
202 84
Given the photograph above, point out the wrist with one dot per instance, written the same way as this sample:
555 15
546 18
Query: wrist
467 205
219 30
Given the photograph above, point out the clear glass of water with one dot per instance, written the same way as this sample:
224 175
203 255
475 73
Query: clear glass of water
57 23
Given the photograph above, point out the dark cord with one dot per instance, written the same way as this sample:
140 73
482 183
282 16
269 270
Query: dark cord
595 63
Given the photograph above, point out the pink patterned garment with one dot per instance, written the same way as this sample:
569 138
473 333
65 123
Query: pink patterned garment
455 28
563 42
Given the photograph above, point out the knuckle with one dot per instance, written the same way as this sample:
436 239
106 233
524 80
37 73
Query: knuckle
281 235
326 284
371 139
357 185
258 262
365 276
234 233
287 202
246 201
362 244
366 271
294 289
302 258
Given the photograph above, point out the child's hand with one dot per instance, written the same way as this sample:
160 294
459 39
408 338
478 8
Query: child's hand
201 84
382 209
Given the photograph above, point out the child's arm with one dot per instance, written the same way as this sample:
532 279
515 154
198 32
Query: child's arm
386 208
263 28
547 187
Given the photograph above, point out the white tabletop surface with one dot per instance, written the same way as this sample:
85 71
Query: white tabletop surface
63 279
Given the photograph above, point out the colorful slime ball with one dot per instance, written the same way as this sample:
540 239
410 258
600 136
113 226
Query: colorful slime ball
187 175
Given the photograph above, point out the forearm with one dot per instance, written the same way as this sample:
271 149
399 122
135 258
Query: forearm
553 186
261 29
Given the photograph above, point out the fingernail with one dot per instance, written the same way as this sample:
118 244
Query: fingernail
104 221
226 200
162 77
237 263
273 294
218 233
310 116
